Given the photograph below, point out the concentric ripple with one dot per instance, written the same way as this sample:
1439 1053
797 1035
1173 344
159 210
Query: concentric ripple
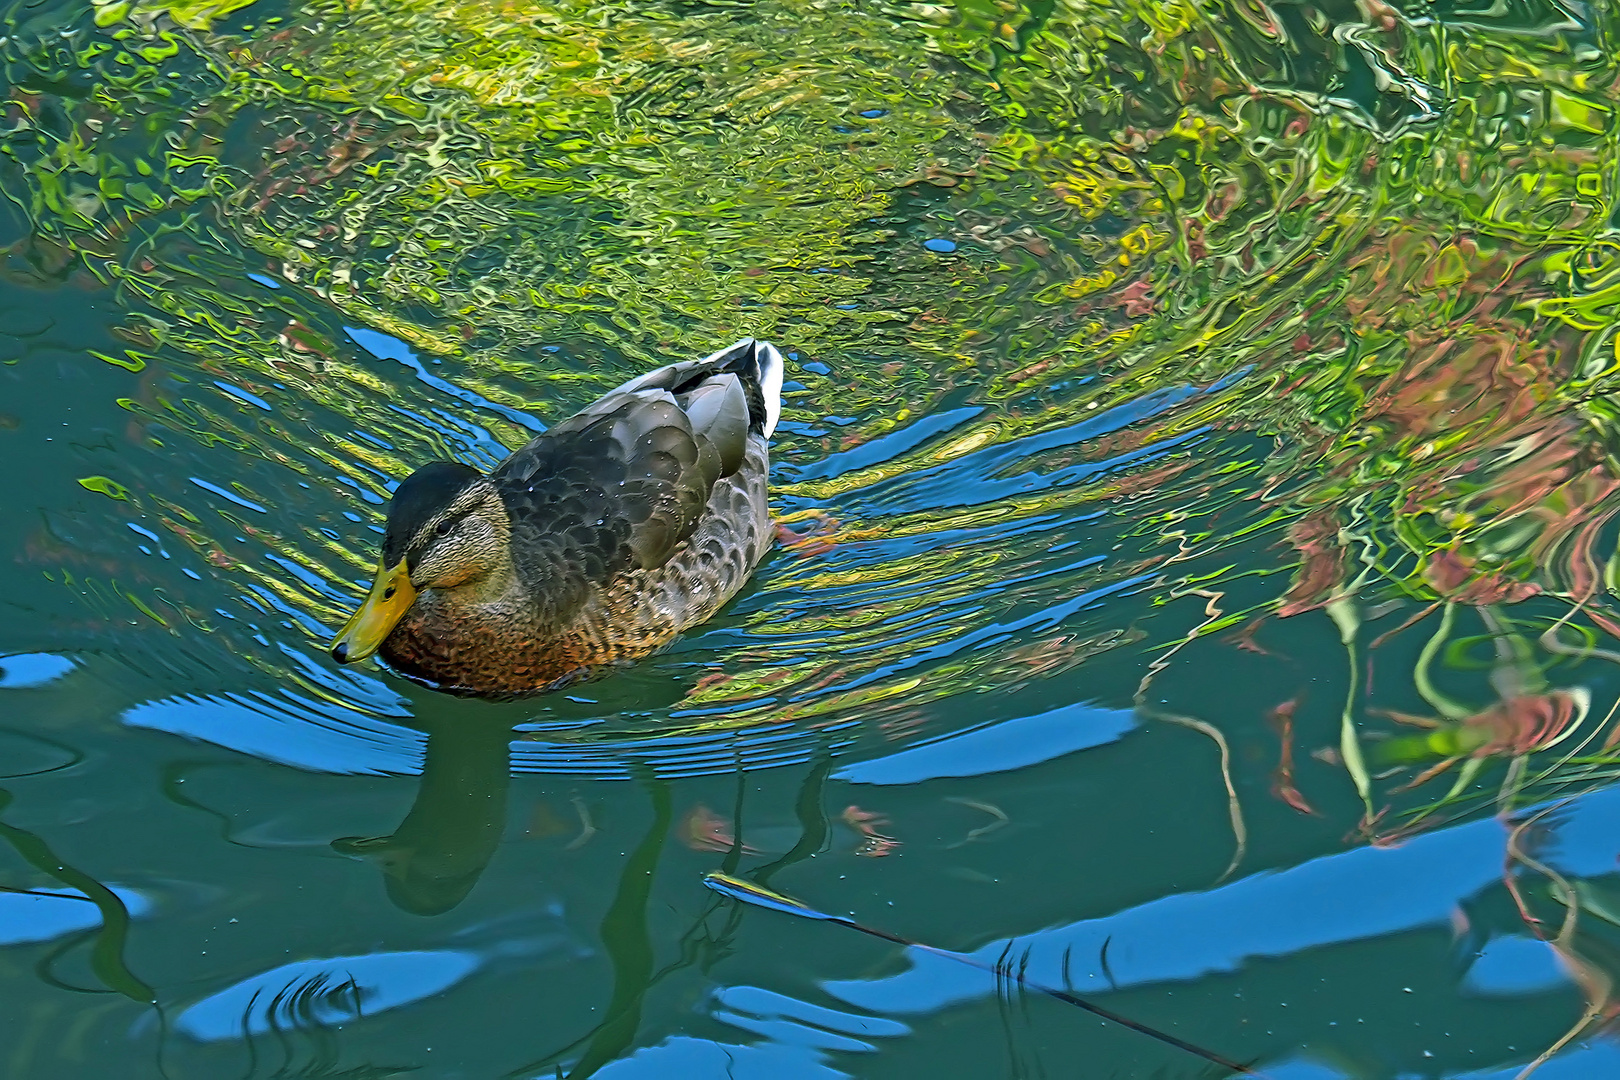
1109 329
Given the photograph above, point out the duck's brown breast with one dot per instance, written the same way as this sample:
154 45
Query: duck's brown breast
473 657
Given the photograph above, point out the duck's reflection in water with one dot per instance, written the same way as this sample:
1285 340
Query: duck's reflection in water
432 861
629 944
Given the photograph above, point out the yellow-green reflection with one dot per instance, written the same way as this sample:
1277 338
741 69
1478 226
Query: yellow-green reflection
1400 284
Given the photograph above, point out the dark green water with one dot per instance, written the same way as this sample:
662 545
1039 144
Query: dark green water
1200 431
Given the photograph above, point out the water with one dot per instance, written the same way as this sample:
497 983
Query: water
1187 404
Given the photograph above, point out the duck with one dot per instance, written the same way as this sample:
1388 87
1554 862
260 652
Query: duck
596 544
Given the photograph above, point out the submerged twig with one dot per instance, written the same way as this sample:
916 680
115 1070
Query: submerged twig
749 893
1001 820
1212 615
1234 810
587 827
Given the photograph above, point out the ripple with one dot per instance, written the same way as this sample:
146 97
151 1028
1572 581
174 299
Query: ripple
286 728
327 992
26 754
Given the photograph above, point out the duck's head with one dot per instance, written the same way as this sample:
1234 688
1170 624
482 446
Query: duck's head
447 529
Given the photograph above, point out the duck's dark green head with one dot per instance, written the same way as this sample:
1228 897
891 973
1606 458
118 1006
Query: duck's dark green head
447 528
420 508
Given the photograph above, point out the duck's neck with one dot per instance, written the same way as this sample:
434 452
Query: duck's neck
496 598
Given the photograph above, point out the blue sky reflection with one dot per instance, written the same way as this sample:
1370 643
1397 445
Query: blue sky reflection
999 747
1350 896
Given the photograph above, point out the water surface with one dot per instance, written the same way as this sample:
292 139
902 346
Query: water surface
1197 488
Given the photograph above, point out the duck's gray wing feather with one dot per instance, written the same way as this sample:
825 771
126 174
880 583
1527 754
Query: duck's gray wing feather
612 489
717 409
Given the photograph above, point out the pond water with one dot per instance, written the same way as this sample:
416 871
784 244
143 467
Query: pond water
1196 591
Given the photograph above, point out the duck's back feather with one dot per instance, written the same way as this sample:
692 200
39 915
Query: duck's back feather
618 486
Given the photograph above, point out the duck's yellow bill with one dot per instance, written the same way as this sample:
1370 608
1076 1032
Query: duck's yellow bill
391 597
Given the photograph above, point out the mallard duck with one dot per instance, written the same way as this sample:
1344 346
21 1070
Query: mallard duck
596 544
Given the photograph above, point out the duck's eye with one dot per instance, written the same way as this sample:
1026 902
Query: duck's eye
443 528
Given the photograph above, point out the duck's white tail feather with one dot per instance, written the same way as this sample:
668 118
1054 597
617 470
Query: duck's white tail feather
771 366
756 362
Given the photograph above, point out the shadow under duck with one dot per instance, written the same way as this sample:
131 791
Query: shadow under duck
596 544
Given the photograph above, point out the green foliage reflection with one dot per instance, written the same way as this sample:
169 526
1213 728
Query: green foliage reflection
1336 280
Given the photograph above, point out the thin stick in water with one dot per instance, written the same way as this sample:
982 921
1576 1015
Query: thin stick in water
749 893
